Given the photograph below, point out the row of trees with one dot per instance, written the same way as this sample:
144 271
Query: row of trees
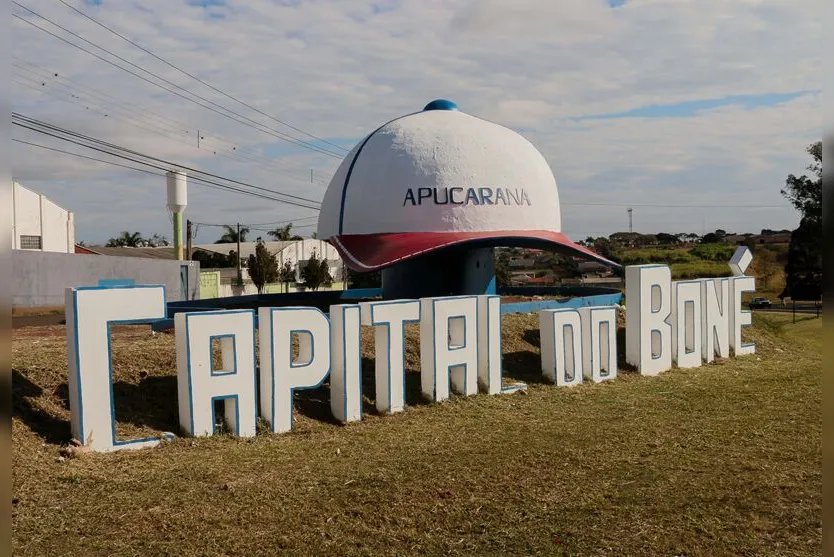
135 240
263 269
281 234
229 236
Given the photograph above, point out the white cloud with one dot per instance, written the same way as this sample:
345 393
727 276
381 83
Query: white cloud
340 68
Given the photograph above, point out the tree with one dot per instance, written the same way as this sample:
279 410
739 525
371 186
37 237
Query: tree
316 272
156 241
355 279
502 269
666 239
806 193
262 267
284 234
126 239
230 234
286 275
803 271
212 260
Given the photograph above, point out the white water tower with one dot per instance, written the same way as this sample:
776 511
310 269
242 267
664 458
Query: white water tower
177 201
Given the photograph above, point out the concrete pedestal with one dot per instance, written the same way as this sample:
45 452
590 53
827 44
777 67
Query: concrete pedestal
448 272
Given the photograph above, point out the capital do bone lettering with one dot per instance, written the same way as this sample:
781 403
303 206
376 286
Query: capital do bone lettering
667 322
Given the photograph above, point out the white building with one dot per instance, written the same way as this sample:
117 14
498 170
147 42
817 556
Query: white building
39 224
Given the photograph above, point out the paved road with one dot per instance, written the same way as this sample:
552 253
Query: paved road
789 309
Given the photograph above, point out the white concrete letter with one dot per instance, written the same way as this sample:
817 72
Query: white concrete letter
346 375
388 320
715 318
89 313
648 306
560 332
739 318
199 385
599 342
489 344
448 346
686 323
281 375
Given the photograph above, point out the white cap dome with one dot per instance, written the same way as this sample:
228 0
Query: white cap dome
436 178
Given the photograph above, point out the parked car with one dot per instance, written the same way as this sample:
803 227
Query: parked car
759 302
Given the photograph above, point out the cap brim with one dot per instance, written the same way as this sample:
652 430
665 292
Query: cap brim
371 252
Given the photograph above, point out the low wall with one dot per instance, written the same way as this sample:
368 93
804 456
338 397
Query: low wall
248 288
39 278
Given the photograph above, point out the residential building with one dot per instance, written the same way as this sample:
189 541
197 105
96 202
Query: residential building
39 224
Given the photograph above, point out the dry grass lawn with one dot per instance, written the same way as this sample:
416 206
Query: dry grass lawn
722 460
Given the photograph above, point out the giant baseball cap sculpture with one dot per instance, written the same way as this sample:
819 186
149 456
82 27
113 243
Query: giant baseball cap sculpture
440 178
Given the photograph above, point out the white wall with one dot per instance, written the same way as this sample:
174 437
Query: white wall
303 249
39 278
35 215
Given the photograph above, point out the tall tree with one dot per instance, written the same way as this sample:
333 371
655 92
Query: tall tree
127 239
502 268
230 234
803 272
262 267
316 272
806 193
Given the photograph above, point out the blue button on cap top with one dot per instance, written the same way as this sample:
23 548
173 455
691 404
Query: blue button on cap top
441 104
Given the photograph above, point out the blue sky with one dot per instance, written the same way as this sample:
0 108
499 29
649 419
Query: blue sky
663 102
692 108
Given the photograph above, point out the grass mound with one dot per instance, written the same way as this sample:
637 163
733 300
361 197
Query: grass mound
720 460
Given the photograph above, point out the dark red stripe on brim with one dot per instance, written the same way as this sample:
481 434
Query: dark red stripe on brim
371 252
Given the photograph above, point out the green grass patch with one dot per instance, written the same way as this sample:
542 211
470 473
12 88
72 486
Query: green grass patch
699 269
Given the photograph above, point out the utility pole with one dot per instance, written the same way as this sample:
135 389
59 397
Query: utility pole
239 270
188 237
630 220
198 139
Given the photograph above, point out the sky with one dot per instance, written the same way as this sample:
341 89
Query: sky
671 107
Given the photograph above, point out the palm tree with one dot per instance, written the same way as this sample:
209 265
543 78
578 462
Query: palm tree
127 239
284 233
230 234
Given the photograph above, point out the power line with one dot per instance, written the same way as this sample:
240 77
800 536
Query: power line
280 222
134 156
228 114
143 113
17 118
282 135
129 118
79 155
164 61
201 182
